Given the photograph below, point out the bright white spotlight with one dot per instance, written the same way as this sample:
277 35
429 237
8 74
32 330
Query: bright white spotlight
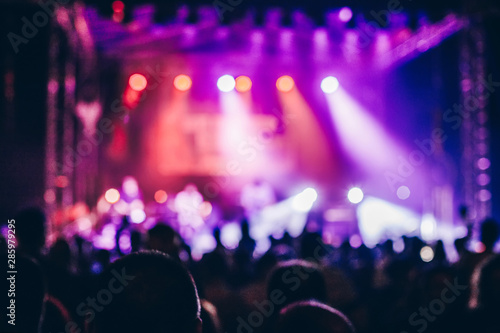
355 195
226 83
329 84
304 201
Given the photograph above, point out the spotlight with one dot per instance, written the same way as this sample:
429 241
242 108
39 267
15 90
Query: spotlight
329 84
345 14
285 83
355 195
243 83
303 201
137 82
226 83
183 82
112 195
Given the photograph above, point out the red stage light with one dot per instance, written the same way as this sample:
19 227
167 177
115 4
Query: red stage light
285 83
243 83
161 196
182 82
137 82
118 6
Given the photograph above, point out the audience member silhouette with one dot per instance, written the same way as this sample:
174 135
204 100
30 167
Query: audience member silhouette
310 316
150 292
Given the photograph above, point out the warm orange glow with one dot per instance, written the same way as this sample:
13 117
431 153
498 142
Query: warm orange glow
112 195
182 82
161 196
243 83
137 82
285 83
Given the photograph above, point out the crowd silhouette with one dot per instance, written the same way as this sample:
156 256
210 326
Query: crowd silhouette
299 285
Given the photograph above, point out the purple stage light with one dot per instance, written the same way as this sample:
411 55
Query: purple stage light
345 14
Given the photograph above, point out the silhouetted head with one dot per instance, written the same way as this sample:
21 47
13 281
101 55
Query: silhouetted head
30 230
489 233
150 292
485 286
60 253
305 317
163 238
297 280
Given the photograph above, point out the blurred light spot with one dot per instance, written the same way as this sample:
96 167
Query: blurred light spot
427 254
137 216
49 196
484 195
355 195
130 186
304 201
285 83
243 83
355 241
118 6
205 208
428 227
230 235
226 83
61 181
183 82
136 204
161 196
112 195
398 245
403 192
329 84
137 82
483 163
345 14
483 179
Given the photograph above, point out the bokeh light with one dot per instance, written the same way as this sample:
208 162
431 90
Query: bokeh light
483 163
137 82
112 195
345 14
118 6
226 83
182 82
161 196
329 84
403 192
243 83
427 254
285 83
355 195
